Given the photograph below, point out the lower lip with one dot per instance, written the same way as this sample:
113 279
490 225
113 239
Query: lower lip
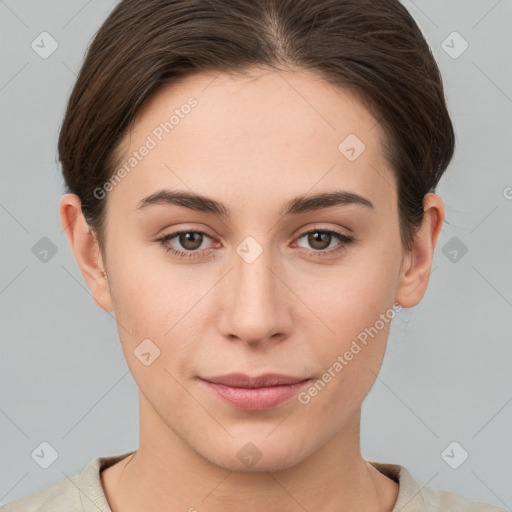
257 399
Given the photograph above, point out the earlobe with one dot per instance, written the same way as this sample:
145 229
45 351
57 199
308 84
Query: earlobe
86 250
417 264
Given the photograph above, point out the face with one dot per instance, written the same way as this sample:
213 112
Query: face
260 280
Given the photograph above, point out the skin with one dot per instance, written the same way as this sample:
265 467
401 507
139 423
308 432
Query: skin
252 143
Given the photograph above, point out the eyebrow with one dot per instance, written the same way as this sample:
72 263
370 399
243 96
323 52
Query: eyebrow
297 205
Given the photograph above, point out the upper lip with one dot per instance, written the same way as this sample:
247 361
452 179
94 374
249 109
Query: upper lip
240 380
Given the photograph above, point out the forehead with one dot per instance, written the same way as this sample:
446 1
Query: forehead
262 134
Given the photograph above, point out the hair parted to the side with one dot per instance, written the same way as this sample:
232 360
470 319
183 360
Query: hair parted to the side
374 48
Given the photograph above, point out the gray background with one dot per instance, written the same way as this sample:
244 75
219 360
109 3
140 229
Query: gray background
446 375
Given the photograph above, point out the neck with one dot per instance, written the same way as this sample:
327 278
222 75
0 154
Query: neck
168 475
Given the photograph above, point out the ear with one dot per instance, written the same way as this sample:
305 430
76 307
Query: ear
417 264
86 249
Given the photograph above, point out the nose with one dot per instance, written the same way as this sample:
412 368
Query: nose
255 306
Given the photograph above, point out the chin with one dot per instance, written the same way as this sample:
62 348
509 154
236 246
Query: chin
246 454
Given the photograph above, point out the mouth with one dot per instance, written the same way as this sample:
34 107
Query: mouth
254 393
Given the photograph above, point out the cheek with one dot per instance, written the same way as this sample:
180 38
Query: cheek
349 364
151 293
355 305
350 297
156 310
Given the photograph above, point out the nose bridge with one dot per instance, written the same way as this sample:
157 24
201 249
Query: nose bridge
254 309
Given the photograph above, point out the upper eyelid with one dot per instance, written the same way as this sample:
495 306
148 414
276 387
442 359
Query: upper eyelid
319 228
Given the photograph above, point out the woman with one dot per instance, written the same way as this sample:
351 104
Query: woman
251 190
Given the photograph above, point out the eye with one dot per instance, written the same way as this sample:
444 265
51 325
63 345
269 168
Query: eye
190 240
321 241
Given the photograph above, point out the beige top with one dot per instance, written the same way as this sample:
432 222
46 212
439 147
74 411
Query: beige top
84 493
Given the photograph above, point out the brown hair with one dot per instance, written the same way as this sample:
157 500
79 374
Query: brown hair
374 48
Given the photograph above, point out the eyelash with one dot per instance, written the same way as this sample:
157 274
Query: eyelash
344 239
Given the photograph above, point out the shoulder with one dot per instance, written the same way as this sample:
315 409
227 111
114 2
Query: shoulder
413 497
62 495
82 492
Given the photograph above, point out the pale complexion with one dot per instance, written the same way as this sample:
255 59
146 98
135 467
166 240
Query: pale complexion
253 144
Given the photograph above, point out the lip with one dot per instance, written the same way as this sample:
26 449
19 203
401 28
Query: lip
254 393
